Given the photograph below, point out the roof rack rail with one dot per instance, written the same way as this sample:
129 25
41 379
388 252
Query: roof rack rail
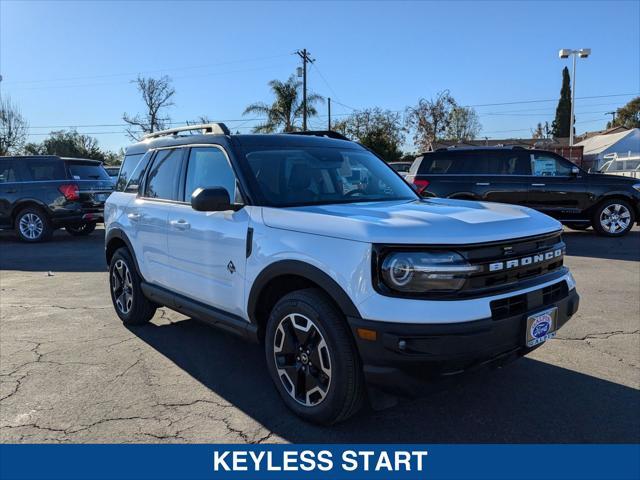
321 133
206 129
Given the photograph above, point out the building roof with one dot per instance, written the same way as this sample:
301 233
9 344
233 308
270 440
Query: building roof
599 143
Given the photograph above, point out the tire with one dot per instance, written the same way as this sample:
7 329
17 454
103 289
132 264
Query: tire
130 304
81 230
578 226
308 338
614 218
32 225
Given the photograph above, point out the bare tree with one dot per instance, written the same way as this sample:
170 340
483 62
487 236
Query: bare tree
13 128
463 124
156 95
430 119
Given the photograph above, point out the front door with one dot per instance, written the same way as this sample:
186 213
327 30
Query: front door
207 250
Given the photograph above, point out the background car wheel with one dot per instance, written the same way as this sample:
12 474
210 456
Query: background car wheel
32 225
578 226
614 218
131 305
312 358
81 229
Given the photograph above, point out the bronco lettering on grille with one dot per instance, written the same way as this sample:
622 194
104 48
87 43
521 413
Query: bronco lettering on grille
524 261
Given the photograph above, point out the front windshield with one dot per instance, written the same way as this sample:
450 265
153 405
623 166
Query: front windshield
322 175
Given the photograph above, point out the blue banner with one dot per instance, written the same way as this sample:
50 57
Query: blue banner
308 462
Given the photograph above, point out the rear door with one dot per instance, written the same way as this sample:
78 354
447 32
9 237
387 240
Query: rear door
10 188
554 189
505 176
445 174
148 214
207 250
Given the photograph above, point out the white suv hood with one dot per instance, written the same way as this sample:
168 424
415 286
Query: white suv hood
432 221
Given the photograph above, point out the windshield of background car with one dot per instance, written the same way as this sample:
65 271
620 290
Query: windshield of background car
299 176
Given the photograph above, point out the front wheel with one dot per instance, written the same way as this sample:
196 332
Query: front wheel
82 229
312 358
614 218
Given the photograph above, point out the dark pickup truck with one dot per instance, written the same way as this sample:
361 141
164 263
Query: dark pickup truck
41 193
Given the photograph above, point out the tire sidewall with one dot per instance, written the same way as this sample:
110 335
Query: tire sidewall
123 254
596 218
47 231
332 404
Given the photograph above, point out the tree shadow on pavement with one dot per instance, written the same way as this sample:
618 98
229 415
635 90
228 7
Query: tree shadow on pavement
64 253
526 402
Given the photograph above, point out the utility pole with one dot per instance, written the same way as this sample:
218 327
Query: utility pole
306 58
329 106
613 115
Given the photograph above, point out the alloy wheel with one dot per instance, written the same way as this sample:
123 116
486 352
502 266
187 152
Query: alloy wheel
122 287
31 226
615 218
302 359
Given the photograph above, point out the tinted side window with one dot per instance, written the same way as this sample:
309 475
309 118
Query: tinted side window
509 162
39 169
208 167
8 170
547 165
162 181
454 163
87 171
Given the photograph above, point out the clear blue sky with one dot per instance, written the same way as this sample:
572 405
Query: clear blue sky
70 63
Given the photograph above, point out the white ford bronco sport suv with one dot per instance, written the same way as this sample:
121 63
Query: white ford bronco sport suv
314 246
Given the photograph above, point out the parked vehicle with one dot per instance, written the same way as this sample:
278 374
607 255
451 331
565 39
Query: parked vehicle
628 166
371 285
401 167
113 173
537 179
41 193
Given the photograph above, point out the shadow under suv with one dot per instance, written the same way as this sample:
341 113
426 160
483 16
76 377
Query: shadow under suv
537 179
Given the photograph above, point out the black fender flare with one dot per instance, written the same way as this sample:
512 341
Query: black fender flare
121 235
305 270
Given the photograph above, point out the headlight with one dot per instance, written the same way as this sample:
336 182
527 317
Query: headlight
637 186
425 271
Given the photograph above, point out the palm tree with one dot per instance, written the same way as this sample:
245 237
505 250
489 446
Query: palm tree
286 109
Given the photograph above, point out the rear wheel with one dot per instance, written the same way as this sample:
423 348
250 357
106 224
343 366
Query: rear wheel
312 358
131 305
82 229
32 225
614 218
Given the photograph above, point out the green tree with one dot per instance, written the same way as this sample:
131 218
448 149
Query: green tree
286 110
377 129
67 144
561 126
627 116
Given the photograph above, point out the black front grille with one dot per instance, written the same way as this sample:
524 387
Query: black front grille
520 304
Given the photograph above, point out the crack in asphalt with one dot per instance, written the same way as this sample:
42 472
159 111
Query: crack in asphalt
599 336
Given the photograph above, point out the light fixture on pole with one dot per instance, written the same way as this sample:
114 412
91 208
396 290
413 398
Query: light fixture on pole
565 53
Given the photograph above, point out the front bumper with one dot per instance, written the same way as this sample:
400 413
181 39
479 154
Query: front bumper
405 355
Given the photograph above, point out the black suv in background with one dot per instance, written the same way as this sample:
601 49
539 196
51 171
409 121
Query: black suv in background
41 193
538 179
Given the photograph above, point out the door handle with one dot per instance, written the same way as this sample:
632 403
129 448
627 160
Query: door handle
134 217
180 224
537 184
483 184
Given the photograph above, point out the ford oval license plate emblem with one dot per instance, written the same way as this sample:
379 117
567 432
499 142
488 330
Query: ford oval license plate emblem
541 327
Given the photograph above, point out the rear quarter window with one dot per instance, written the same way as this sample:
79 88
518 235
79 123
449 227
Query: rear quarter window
43 169
87 171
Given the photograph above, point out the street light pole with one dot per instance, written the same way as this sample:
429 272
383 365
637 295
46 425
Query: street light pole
565 53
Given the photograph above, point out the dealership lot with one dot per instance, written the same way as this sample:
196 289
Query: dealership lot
70 371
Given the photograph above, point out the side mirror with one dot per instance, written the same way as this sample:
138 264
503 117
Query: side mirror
575 171
212 199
